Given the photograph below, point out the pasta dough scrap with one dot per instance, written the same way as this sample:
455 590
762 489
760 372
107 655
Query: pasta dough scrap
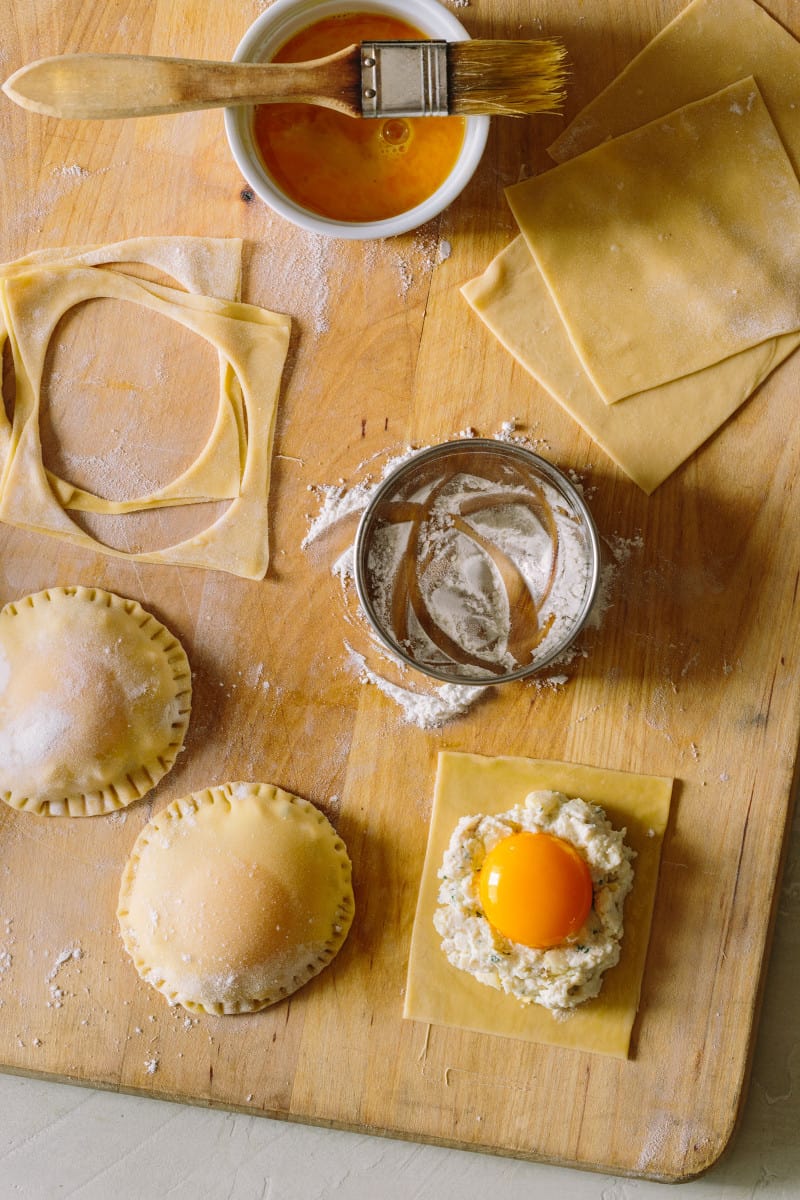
206 266
234 897
214 475
253 343
438 993
661 248
95 696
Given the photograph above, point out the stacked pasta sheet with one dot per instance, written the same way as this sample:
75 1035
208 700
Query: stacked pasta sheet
654 284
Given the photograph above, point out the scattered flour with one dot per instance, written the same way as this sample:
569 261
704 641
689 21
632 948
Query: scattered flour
338 502
428 710
415 264
6 955
74 171
620 549
254 677
67 955
303 272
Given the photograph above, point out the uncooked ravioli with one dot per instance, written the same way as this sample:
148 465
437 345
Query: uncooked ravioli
234 897
95 695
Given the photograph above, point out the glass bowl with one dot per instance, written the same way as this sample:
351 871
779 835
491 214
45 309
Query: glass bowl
476 562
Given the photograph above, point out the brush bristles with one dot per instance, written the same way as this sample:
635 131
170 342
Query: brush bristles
506 78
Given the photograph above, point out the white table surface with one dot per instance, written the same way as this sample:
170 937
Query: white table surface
69 1142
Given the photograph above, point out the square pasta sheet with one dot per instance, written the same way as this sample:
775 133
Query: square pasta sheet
712 44
708 46
438 993
234 464
661 248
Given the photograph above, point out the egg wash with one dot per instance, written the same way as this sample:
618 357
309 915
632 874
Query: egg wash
349 168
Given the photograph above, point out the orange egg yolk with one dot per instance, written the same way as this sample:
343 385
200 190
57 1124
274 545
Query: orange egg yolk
353 168
535 889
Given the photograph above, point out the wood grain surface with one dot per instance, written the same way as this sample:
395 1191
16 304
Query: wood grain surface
692 673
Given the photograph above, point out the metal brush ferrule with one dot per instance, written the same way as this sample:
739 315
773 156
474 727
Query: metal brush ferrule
404 79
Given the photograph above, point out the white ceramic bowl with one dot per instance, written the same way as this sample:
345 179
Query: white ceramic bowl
281 21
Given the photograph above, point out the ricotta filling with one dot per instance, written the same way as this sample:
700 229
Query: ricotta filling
564 976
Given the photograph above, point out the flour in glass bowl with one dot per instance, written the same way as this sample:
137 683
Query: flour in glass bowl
484 555
476 561
422 703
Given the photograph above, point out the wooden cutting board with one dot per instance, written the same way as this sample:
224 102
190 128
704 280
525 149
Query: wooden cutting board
692 673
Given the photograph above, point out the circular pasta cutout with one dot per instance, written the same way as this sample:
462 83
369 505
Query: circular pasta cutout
95 697
234 897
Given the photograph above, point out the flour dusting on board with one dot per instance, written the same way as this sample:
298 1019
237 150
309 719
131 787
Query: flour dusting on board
425 704
294 275
67 955
75 170
414 265
6 955
427 710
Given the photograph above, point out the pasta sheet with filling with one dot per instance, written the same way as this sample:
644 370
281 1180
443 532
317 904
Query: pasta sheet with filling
468 784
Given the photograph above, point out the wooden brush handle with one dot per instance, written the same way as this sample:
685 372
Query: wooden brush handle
96 86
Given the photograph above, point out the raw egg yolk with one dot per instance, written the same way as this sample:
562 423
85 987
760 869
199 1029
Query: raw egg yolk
535 889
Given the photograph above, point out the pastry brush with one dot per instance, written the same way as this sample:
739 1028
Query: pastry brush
373 79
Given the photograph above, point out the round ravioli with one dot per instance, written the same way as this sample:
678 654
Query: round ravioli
234 897
95 695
